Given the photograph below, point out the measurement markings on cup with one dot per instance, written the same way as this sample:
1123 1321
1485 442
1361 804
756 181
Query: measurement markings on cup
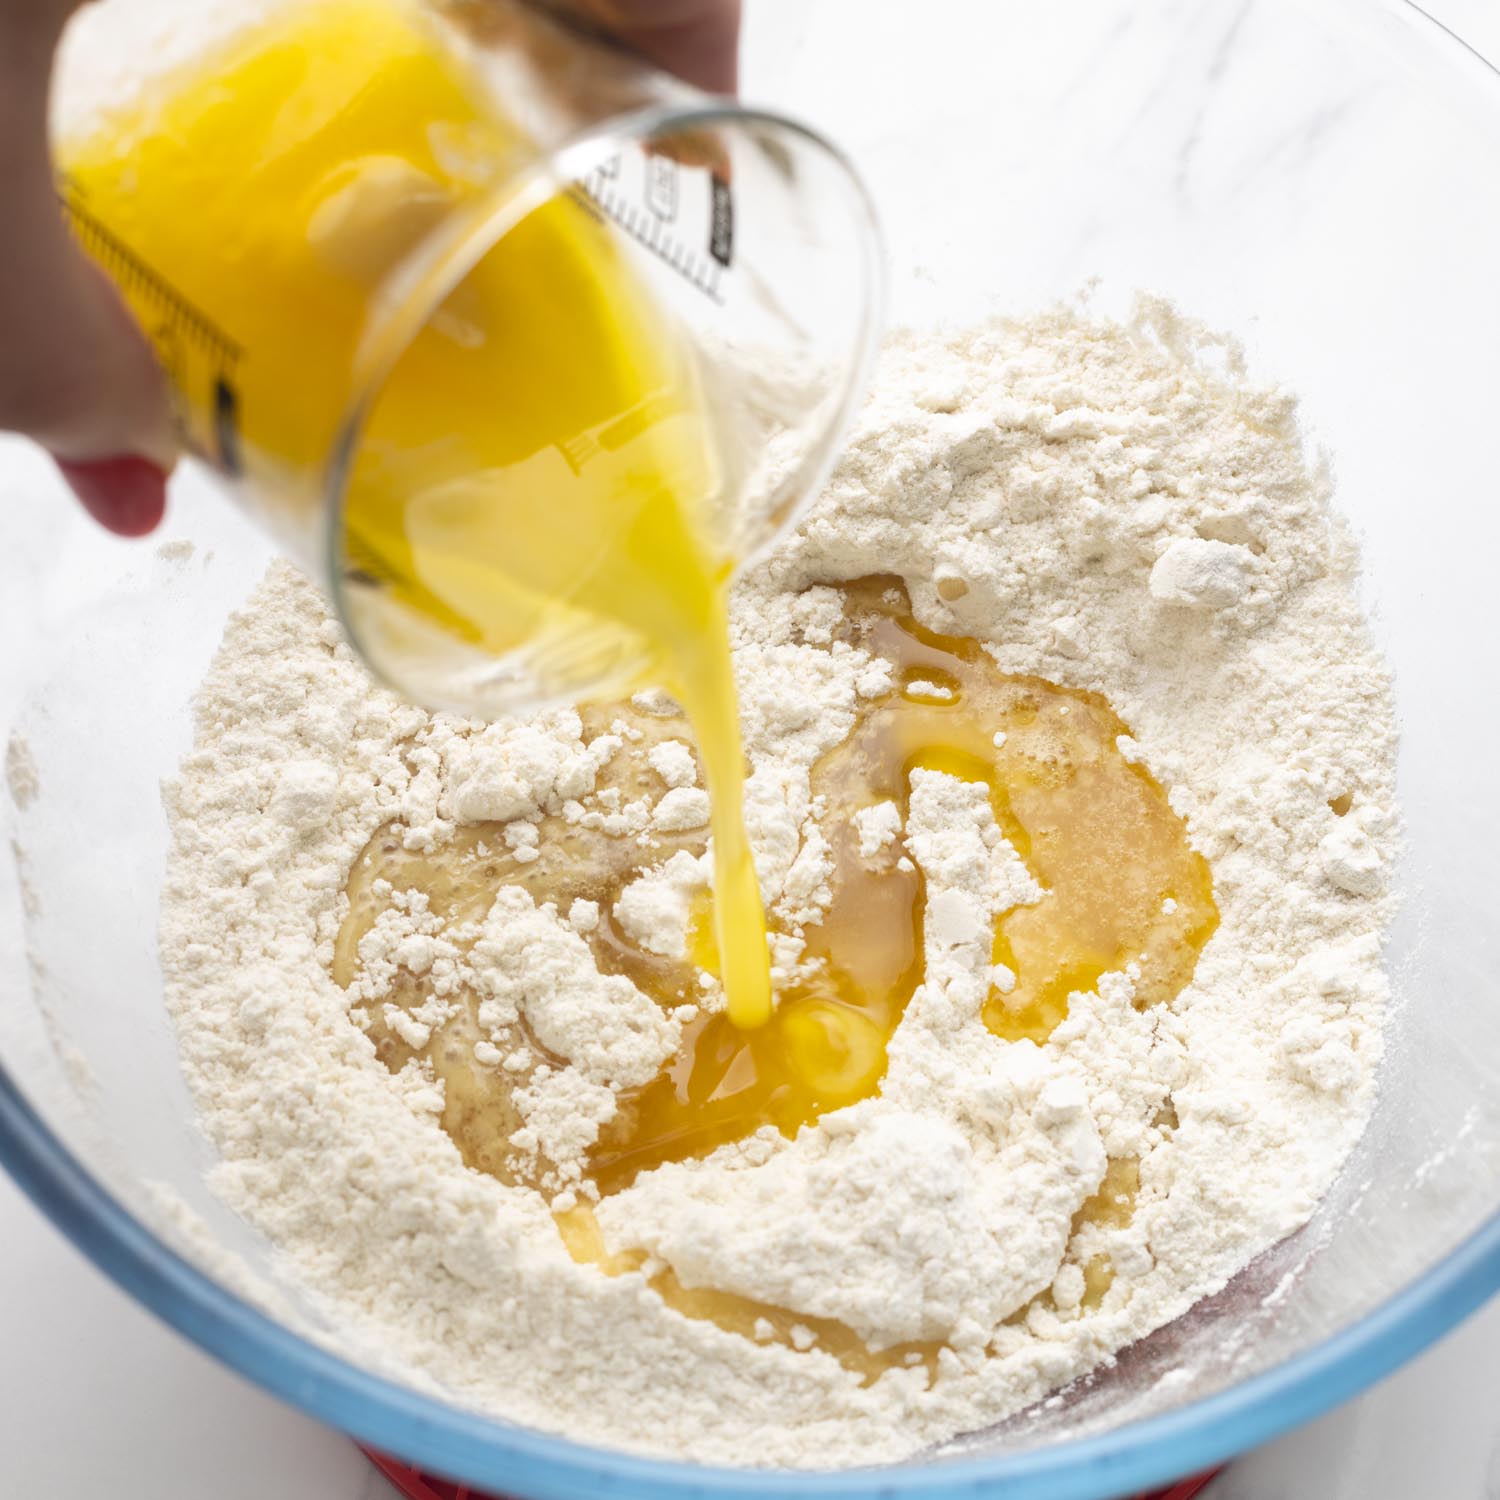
650 230
180 326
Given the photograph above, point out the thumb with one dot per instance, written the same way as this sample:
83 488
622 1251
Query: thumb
76 374
696 39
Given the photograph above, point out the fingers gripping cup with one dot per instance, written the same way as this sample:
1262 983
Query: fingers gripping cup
518 343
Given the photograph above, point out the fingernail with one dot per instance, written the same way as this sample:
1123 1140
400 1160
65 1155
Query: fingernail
126 494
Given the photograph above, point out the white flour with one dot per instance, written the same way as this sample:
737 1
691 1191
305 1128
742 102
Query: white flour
1111 507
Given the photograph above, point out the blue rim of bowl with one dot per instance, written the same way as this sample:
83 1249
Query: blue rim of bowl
482 1451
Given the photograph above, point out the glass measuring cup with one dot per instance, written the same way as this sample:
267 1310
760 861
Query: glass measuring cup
448 290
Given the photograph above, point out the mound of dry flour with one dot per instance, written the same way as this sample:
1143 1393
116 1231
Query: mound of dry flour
1112 507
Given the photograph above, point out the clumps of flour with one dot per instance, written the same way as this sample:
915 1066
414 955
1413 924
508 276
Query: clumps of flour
1113 506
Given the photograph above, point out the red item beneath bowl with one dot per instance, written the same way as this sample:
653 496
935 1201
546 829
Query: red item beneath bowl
417 1486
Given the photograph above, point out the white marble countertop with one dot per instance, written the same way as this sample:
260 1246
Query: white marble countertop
100 1400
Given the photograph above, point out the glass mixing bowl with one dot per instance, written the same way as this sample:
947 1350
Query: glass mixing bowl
1321 177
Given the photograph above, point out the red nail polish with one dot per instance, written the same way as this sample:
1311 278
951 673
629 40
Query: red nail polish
126 494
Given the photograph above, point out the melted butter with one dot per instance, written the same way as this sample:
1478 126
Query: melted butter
762 1322
1110 1206
537 475
1124 890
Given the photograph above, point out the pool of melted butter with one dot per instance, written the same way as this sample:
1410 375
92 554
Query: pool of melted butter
1123 888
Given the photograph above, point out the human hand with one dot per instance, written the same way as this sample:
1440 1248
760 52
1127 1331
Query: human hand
76 373
698 40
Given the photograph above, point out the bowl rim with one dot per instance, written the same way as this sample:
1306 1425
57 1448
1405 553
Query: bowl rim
390 1417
